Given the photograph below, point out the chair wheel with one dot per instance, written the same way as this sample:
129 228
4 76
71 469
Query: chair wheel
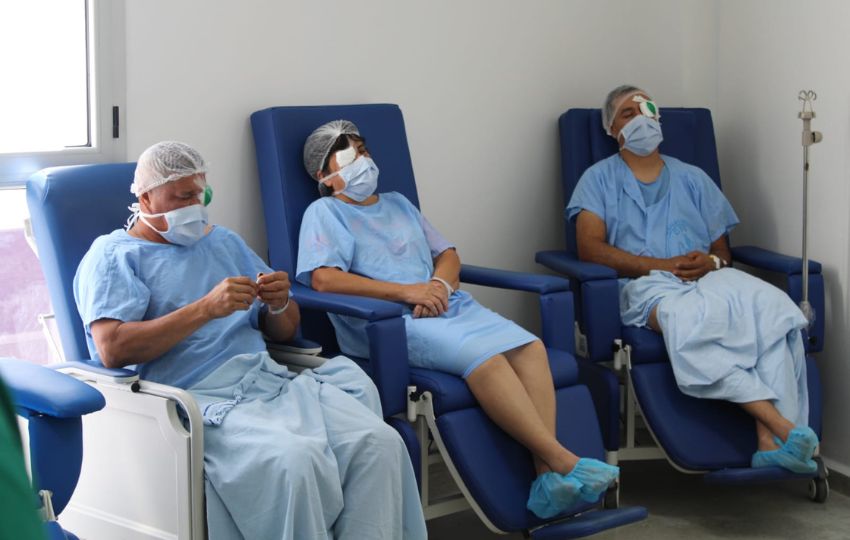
818 489
612 498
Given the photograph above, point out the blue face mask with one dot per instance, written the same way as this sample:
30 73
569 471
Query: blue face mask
641 135
186 225
361 179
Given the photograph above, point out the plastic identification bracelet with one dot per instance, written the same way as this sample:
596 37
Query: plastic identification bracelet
445 283
278 311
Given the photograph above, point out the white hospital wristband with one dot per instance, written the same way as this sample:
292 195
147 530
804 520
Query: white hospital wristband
278 311
445 284
718 262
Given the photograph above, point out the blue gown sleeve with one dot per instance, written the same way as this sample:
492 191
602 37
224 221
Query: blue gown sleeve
714 208
589 194
436 241
324 241
106 287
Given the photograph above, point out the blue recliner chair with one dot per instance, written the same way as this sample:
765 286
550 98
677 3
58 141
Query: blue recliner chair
493 472
142 473
685 428
52 404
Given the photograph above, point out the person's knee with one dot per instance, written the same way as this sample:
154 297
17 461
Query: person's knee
486 369
301 463
536 349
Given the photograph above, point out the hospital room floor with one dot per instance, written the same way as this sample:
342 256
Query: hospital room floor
682 506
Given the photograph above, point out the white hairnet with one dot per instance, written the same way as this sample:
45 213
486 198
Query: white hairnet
319 143
613 101
165 162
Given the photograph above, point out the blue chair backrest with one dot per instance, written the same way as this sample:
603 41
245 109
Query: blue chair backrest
688 136
70 207
287 188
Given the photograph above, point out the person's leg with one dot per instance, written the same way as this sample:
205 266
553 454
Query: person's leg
562 477
531 365
501 394
381 498
272 471
768 418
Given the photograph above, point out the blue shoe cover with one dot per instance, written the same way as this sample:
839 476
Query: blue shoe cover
552 494
801 443
595 477
781 458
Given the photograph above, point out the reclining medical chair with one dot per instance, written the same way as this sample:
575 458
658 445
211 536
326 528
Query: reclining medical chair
142 471
492 471
52 405
696 435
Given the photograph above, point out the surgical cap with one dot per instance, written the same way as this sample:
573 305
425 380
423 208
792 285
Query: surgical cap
613 101
165 162
319 143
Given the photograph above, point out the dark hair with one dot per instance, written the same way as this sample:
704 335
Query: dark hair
342 142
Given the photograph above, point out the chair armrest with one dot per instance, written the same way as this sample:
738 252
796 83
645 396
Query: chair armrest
564 263
295 345
43 391
597 300
296 361
361 307
387 336
557 314
508 279
769 260
91 372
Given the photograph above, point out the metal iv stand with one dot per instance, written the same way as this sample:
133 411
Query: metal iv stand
809 138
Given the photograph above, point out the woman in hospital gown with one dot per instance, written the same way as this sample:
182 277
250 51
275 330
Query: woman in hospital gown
662 224
356 242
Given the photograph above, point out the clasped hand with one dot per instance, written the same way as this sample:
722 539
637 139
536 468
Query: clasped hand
238 293
692 266
429 299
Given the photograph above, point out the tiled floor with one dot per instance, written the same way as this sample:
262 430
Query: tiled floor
683 507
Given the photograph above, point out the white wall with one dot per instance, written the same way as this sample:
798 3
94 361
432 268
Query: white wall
481 84
768 50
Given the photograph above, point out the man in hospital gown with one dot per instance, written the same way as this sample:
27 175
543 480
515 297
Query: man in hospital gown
662 224
187 303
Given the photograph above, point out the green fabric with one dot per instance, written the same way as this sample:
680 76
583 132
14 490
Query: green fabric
18 516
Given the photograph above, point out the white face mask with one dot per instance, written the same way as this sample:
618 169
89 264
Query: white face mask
186 225
360 177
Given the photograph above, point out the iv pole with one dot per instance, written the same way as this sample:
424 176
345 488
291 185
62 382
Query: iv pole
809 138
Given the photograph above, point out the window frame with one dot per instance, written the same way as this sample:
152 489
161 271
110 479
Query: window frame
107 89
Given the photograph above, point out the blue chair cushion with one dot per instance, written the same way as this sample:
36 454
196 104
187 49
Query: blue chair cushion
696 434
450 392
647 345
498 471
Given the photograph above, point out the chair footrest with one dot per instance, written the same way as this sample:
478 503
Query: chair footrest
590 523
752 476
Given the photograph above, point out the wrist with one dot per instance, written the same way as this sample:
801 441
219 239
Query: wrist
277 311
718 262
446 284
202 310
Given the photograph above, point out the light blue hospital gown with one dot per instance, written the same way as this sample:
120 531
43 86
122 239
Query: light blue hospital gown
285 456
729 335
391 241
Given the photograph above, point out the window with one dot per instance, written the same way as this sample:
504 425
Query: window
62 70
63 90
